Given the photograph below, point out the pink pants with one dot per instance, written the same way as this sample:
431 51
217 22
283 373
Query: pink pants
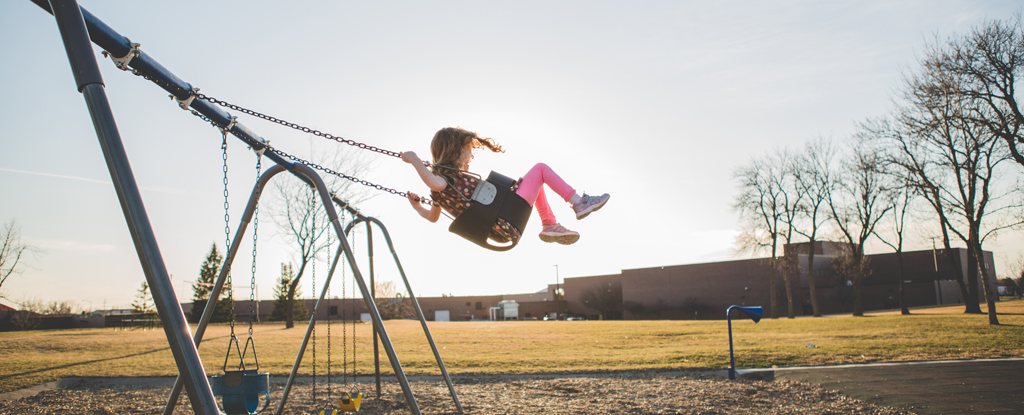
532 190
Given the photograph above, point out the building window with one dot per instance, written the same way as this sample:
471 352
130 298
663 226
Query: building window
468 303
479 305
332 310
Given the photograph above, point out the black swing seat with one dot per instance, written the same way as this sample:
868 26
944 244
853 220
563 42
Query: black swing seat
492 199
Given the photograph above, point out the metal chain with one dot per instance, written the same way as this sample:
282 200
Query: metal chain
196 94
227 234
227 217
313 283
328 170
295 126
255 229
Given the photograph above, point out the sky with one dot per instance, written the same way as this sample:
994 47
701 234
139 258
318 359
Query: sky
654 102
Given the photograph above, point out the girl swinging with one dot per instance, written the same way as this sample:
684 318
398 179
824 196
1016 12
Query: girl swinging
451 186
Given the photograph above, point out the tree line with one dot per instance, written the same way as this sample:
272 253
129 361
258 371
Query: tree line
948 158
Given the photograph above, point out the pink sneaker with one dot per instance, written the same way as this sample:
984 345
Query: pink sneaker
589 204
558 233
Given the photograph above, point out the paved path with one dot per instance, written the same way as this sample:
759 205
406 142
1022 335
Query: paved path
992 386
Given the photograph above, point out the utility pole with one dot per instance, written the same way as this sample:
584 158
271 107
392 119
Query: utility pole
558 289
935 258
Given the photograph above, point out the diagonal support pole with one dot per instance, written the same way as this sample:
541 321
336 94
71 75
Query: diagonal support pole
408 287
378 323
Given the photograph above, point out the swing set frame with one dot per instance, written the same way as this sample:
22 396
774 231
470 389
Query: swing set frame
78 29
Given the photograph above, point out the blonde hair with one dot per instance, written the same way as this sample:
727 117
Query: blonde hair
448 144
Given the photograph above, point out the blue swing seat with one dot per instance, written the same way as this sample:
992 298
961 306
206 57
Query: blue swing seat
240 391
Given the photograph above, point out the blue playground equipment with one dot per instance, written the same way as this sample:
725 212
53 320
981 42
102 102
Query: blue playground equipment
240 390
753 313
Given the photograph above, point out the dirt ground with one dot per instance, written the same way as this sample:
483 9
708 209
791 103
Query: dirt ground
634 393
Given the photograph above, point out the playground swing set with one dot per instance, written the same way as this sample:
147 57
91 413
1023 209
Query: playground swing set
243 388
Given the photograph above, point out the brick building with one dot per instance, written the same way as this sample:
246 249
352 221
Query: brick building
704 291
701 291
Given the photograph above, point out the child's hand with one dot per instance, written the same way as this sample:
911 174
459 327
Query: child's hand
431 214
410 157
413 198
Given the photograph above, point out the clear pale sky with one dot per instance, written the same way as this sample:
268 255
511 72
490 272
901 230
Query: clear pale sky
655 102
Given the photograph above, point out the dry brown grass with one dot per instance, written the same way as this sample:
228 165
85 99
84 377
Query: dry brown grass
34 357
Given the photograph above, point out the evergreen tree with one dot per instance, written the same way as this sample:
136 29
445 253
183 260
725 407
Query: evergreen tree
280 311
143 300
204 285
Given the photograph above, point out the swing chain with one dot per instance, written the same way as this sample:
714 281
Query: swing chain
194 92
255 228
328 170
227 237
313 319
227 217
295 126
328 332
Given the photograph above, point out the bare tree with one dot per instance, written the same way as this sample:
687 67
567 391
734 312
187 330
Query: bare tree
302 219
911 156
761 205
606 299
857 203
390 303
814 178
1014 271
793 198
986 63
12 251
60 308
956 161
901 198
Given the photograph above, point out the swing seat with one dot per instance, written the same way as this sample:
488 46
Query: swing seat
347 403
493 199
350 402
240 391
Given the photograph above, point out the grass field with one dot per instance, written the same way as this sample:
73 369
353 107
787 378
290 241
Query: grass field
35 357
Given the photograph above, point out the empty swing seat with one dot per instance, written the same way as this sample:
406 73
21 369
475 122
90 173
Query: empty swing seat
240 391
349 402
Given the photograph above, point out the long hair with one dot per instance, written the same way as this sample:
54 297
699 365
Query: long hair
448 144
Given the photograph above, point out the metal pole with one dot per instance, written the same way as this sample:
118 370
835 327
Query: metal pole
732 358
373 292
558 287
83 63
938 284
416 303
332 214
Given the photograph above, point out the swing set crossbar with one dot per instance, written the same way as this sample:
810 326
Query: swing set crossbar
118 45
